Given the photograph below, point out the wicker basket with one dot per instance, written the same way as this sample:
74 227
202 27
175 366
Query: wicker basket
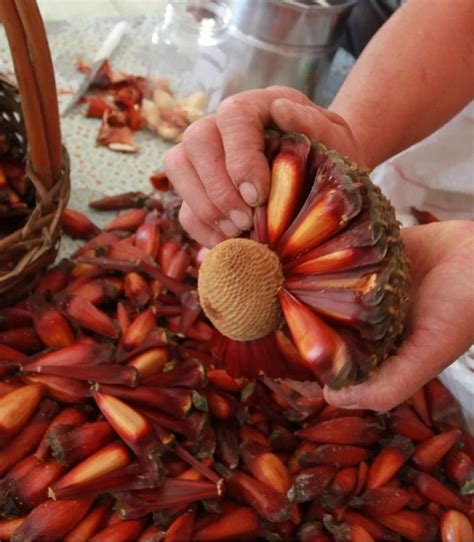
30 114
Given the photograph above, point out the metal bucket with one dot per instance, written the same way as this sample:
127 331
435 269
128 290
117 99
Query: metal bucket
283 42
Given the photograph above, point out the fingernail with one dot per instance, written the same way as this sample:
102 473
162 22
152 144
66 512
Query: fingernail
281 102
228 228
339 398
249 193
241 219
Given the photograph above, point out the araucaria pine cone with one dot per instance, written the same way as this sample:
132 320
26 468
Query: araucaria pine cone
324 270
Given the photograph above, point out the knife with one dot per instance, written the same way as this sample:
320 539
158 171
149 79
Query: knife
107 49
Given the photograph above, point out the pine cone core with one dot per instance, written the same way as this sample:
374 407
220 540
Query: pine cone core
238 288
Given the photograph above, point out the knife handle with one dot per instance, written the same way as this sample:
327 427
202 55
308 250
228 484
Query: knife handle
111 41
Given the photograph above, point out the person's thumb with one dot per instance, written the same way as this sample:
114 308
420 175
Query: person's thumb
318 124
420 358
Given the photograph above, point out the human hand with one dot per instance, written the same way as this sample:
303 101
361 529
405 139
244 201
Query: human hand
220 169
440 320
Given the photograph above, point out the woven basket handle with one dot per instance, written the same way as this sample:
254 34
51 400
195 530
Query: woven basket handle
34 71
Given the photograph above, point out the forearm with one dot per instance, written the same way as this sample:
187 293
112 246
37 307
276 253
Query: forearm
415 74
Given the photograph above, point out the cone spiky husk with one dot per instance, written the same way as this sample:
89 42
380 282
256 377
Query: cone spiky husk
370 319
343 263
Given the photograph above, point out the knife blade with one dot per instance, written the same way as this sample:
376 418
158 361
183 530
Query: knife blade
107 49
